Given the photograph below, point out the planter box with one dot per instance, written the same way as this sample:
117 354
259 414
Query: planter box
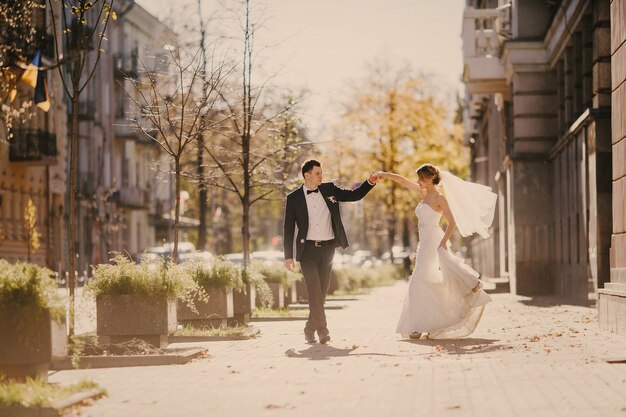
215 312
301 290
26 345
123 317
278 295
291 295
243 304
58 334
333 285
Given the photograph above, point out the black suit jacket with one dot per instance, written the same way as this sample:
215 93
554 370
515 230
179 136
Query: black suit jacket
296 213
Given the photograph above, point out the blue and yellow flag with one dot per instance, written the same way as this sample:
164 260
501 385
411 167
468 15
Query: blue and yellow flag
36 77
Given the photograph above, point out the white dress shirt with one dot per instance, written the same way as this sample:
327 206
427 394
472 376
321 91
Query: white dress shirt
320 223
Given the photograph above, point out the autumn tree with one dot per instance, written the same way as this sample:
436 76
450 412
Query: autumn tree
395 121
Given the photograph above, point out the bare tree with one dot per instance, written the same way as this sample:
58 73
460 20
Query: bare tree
171 105
248 151
81 34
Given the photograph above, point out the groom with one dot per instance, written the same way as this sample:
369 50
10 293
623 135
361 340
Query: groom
314 208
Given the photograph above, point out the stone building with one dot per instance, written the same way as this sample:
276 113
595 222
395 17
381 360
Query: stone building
123 201
538 110
32 166
120 191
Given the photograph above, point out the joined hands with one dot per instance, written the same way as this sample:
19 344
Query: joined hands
373 178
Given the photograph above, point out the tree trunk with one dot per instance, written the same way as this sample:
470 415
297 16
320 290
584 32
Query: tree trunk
406 235
202 187
391 220
71 282
245 201
176 209
202 196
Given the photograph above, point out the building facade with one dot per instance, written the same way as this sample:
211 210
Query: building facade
538 117
122 196
124 189
32 167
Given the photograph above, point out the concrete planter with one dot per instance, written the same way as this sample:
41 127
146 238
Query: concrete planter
243 305
278 295
58 335
26 345
333 285
291 295
123 317
301 290
215 312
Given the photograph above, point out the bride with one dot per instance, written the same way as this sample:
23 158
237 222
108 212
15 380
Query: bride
444 299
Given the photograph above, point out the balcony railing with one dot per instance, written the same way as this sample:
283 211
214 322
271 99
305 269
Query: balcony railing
137 197
484 30
33 146
126 65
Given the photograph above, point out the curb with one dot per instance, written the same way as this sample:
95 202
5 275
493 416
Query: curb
90 362
56 409
251 334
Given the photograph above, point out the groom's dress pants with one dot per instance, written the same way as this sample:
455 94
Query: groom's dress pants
316 263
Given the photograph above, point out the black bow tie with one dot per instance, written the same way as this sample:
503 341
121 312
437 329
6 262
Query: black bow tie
312 191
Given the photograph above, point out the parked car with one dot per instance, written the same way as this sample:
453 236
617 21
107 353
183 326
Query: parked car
362 258
236 258
167 251
400 254
196 256
268 256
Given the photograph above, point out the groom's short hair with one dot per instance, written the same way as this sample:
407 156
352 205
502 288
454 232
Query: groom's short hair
308 165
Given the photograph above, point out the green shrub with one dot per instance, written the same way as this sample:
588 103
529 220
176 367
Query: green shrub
353 279
253 277
216 274
38 393
277 273
153 279
26 285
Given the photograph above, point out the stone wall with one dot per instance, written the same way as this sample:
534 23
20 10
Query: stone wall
612 299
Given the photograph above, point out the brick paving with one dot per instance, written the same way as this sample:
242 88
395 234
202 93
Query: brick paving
528 357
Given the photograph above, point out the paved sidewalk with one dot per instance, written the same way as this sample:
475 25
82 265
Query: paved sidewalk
527 358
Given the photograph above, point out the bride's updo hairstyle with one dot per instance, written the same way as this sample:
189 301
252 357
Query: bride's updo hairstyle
430 172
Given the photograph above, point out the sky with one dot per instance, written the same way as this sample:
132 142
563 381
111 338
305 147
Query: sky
320 45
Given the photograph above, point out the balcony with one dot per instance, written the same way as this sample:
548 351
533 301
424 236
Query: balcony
135 197
484 31
126 65
33 146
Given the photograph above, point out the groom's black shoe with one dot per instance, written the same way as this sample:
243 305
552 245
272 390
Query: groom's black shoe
309 336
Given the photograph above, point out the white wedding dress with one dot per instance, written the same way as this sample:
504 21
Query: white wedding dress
439 298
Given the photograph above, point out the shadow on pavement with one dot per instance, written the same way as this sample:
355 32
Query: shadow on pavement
468 346
554 301
324 352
